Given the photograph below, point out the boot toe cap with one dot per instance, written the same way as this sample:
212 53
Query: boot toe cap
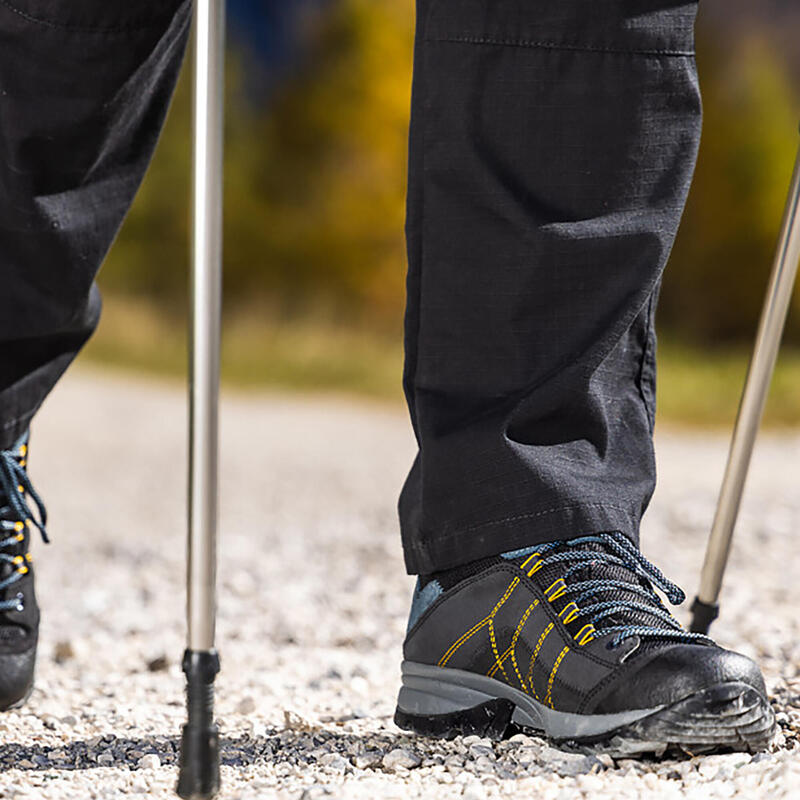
16 676
676 673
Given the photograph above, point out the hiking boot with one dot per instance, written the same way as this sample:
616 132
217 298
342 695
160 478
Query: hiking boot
19 613
570 640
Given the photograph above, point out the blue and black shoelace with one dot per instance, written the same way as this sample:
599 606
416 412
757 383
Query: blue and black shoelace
16 518
632 608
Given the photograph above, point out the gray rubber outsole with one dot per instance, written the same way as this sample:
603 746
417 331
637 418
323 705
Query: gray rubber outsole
444 702
434 691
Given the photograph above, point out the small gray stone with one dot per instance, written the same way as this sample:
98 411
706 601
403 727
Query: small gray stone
371 758
334 761
467 741
400 758
568 765
479 749
105 759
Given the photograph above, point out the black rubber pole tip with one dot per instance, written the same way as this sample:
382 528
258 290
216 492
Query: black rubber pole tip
199 762
199 772
703 614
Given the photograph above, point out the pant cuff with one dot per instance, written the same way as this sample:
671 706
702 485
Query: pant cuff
13 430
431 553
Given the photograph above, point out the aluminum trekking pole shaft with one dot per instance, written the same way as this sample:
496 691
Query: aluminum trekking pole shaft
199 764
759 376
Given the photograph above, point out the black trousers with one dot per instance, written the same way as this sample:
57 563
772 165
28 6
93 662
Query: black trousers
552 147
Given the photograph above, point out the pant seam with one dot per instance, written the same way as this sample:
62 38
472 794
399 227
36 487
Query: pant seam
643 364
121 29
514 518
571 46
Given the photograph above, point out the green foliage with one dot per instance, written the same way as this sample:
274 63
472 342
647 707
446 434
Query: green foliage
315 185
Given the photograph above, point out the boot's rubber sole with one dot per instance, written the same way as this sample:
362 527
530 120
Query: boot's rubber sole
444 703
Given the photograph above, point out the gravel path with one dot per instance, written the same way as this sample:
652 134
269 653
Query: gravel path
313 600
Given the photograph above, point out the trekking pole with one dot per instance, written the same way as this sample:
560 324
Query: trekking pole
199 760
705 608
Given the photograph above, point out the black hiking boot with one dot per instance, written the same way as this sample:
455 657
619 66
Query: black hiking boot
19 613
569 640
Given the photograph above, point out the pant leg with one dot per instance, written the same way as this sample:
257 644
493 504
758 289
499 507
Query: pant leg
552 147
84 88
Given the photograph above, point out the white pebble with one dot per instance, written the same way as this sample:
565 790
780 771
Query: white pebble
150 761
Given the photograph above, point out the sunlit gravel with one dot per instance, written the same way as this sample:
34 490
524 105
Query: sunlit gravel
312 605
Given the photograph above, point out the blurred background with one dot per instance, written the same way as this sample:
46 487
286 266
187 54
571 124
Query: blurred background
317 116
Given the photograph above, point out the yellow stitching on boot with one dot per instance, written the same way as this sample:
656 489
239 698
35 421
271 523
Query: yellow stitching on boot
548 699
514 642
491 673
475 628
493 639
533 657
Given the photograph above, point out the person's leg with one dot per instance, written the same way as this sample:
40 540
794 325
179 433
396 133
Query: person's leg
85 87
552 147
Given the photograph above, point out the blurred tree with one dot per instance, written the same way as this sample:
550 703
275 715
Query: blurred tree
314 184
715 283
315 181
321 203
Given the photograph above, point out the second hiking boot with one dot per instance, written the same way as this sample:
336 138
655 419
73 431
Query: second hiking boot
569 639
19 613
